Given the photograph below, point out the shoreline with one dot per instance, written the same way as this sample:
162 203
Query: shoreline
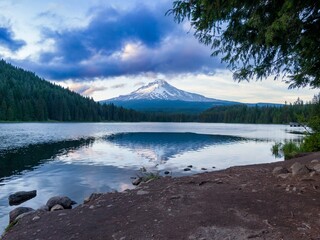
237 203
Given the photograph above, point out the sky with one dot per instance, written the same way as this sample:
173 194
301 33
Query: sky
103 49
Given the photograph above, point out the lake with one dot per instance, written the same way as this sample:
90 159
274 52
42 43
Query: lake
76 159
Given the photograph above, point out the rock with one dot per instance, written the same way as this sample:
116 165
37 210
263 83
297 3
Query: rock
298 169
279 170
35 218
166 172
64 201
20 197
187 169
316 168
56 207
15 213
190 166
22 216
203 169
312 174
137 181
315 161
284 175
213 167
92 197
142 192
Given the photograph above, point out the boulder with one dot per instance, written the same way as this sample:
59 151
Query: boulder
64 201
187 169
56 207
316 168
20 197
15 213
299 169
279 170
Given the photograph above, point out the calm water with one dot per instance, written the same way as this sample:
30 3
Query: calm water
76 159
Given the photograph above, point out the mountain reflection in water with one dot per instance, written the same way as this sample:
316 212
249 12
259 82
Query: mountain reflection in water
161 147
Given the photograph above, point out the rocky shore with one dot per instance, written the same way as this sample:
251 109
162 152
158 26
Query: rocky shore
268 201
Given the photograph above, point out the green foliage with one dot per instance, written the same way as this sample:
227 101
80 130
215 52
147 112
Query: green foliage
10 226
259 38
288 149
291 149
276 150
254 114
26 97
146 175
312 143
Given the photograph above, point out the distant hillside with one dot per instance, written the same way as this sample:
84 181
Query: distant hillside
168 106
259 113
26 97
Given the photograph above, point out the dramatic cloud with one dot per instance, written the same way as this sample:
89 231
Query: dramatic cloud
85 89
118 42
7 40
122 85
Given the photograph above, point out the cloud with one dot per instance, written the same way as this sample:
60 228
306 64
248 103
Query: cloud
138 84
85 89
118 86
7 40
141 40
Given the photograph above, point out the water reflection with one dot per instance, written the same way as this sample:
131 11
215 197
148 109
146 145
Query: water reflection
160 147
15 161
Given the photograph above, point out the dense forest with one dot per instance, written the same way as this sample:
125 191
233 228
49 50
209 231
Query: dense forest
26 97
298 111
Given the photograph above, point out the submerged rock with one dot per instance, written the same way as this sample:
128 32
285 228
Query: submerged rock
64 201
22 196
15 213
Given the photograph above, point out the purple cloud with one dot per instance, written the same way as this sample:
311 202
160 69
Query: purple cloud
118 42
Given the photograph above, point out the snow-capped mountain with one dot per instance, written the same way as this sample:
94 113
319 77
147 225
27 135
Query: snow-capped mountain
161 90
160 96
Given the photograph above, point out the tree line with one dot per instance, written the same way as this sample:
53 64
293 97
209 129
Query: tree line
26 97
295 112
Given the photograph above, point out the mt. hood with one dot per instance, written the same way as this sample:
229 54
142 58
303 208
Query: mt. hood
160 96
161 90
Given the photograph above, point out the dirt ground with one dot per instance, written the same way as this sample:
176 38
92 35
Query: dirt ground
247 202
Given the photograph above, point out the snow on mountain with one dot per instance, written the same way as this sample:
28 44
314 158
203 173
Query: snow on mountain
161 90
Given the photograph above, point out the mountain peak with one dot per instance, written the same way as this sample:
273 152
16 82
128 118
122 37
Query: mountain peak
161 90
